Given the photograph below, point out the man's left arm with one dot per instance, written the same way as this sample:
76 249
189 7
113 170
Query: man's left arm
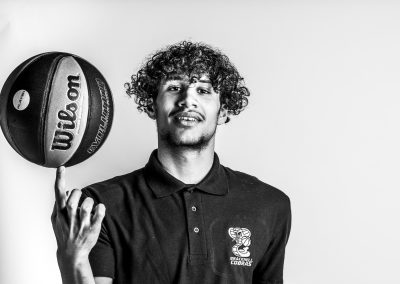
269 270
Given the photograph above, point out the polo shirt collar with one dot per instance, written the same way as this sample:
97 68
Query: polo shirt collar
163 184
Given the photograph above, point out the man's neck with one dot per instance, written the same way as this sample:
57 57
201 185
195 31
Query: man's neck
188 165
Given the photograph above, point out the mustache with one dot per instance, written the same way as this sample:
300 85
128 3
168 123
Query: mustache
186 112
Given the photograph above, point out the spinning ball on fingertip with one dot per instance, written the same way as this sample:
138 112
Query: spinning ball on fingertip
56 109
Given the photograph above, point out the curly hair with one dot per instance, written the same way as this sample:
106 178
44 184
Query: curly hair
191 59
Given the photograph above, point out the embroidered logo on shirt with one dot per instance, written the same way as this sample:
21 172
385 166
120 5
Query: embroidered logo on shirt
241 249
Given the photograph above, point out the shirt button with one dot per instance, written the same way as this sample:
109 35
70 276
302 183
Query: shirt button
194 209
196 230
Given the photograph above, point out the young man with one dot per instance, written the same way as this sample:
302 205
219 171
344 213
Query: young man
183 218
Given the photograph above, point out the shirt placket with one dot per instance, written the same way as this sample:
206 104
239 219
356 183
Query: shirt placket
195 226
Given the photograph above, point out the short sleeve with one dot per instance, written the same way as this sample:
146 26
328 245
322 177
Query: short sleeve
101 257
270 268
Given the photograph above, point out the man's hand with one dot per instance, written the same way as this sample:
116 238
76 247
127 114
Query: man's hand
76 230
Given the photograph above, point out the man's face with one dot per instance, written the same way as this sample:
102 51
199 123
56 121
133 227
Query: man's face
187 111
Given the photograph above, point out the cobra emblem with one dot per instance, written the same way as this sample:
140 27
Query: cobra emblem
242 238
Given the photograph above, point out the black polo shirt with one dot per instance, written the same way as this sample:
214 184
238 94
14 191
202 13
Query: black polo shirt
229 228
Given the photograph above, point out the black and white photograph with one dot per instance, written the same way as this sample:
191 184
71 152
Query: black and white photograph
190 142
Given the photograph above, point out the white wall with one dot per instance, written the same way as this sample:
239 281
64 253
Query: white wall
323 122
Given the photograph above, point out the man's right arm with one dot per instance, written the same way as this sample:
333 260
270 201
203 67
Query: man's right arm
79 273
76 231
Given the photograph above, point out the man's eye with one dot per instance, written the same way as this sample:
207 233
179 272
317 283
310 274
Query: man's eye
173 88
203 91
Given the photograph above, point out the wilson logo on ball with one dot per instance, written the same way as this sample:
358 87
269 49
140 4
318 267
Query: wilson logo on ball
67 113
63 138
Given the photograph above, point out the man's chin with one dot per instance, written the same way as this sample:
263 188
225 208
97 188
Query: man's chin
198 143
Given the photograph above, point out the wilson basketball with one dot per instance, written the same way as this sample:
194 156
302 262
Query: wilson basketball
56 109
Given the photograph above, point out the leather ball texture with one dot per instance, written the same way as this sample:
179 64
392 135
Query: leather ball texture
56 109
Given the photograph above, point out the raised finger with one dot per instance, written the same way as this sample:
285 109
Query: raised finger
59 188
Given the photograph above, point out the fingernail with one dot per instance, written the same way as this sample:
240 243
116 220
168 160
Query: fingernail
102 207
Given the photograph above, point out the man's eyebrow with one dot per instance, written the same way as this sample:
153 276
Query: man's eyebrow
174 77
178 77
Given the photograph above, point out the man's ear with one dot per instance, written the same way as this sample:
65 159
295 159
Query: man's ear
223 116
151 112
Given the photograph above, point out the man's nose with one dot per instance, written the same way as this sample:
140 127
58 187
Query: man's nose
188 97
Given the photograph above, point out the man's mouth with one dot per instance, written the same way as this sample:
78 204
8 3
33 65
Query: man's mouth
187 118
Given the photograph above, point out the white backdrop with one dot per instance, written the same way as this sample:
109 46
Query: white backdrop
323 123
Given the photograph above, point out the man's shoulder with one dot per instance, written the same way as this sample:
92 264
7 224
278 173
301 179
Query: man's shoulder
113 188
252 186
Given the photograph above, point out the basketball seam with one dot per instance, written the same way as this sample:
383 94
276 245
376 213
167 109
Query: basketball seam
89 116
44 110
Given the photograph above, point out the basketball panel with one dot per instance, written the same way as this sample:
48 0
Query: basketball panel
67 112
24 126
100 114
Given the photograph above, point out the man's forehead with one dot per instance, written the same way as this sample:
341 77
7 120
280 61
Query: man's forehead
203 78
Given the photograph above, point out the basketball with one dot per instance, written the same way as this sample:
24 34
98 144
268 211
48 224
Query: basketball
56 109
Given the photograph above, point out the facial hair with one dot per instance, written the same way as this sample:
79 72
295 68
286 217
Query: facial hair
174 140
198 144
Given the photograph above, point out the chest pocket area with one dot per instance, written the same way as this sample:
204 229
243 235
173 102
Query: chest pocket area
232 251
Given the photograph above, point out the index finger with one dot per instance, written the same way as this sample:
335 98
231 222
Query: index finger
59 188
